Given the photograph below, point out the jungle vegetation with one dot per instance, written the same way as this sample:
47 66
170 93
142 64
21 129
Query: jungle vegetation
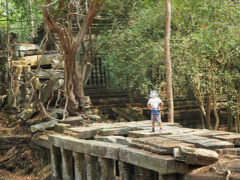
205 48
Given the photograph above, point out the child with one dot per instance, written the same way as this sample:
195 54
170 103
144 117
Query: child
154 104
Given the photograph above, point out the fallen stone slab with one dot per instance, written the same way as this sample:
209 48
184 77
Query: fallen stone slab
201 142
114 139
43 126
161 163
177 130
41 141
61 127
195 156
159 145
145 133
214 144
84 132
92 147
229 151
114 131
73 121
209 133
233 138
149 148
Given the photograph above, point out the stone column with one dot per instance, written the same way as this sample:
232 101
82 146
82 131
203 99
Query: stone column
55 162
67 169
92 168
143 174
106 168
79 165
124 171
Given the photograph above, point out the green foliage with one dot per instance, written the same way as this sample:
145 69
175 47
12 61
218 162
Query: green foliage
19 16
131 51
205 47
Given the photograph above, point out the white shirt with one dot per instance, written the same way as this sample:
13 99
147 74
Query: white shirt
155 102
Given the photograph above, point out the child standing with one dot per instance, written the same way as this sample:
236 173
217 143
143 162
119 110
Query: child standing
154 104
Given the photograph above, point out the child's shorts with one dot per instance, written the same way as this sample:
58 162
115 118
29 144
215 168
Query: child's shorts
156 117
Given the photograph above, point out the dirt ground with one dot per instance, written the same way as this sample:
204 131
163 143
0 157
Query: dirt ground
220 168
17 163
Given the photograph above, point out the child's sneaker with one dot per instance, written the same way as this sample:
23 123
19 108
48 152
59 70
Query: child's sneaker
153 130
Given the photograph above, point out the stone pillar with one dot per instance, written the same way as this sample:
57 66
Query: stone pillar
67 169
106 168
143 174
55 162
79 165
92 169
124 171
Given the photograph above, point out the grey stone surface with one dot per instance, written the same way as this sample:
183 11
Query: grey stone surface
42 141
158 145
233 138
67 164
146 133
208 133
195 156
79 163
124 170
92 168
114 131
61 127
43 126
161 163
106 168
201 142
58 113
28 112
73 121
114 139
84 132
92 147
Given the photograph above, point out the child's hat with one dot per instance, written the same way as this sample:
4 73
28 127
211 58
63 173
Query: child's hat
153 94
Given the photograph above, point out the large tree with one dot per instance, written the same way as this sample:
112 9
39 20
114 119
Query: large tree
61 20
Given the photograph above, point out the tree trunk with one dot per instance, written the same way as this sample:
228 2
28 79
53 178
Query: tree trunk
229 115
168 61
31 19
215 111
74 81
237 119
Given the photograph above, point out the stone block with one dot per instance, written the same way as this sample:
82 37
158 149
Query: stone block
161 163
233 138
43 126
92 147
201 142
73 121
146 133
159 145
114 139
114 131
61 127
41 141
195 156
84 132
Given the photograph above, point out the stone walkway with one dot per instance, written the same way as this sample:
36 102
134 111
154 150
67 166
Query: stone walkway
176 150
